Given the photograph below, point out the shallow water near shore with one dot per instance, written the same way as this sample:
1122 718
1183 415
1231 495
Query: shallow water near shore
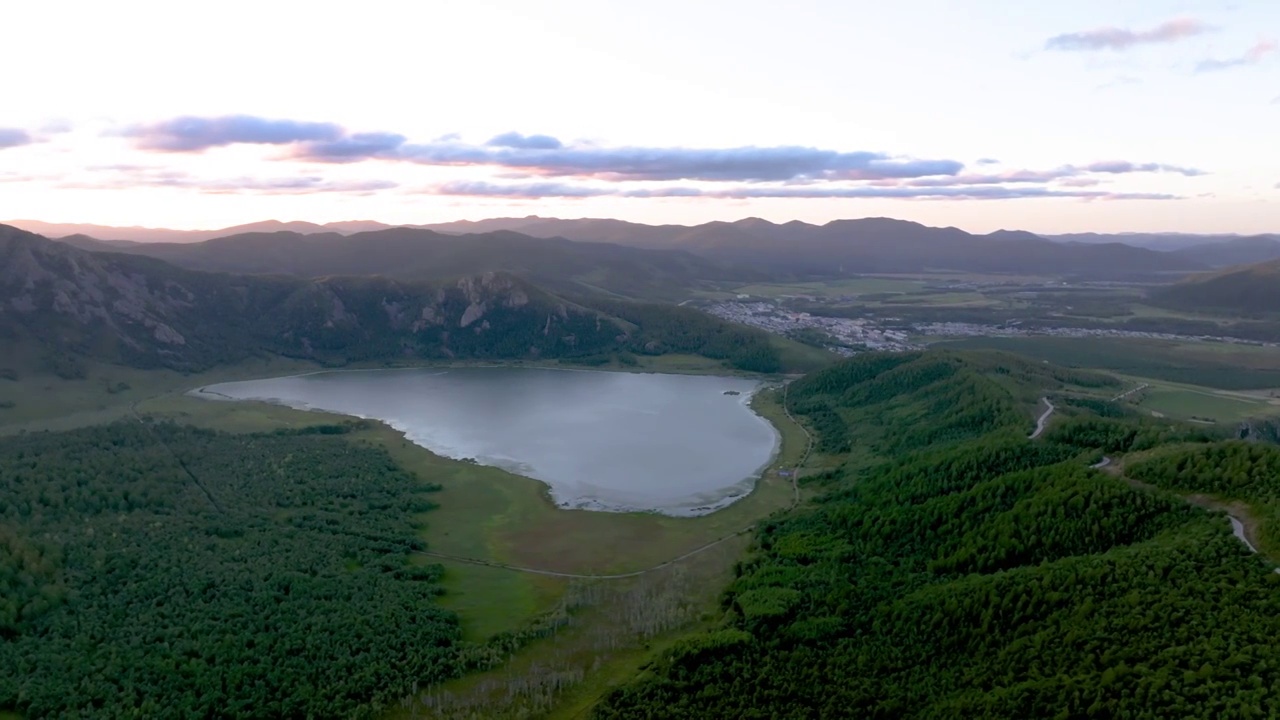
612 441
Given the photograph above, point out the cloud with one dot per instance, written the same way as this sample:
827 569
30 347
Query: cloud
1069 175
353 148
524 142
1115 38
546 156
1123 166
541 155
192 134
56 126
123 177
13 137
543 165
1120 81
518 191
1252 56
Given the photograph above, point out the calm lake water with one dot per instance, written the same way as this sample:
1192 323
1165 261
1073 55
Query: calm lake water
675 444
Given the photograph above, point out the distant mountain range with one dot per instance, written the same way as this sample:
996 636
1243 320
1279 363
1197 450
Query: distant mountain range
70 303
424 255
154 235
742 250
1218 250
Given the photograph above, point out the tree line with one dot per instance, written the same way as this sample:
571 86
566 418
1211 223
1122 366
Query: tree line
978 574
166 571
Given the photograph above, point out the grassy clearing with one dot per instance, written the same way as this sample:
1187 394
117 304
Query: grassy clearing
42 401
1150 311
851 286
1221 366
1202 404
941 299
609 630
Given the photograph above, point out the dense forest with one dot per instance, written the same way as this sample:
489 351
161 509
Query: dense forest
1230 471
165 571
674 329
967 571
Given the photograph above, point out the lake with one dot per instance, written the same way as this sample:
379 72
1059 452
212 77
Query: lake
613 441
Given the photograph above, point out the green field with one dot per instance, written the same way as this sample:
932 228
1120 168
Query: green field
851 286
1207 364
1189 403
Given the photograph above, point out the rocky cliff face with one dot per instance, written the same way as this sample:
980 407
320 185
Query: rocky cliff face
140 311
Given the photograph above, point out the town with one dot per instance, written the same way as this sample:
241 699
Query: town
849 336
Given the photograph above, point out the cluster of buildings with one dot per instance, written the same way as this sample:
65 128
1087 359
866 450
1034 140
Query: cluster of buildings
845 336
848 336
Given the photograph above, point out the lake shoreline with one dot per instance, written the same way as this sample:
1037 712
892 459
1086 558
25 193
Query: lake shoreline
567 485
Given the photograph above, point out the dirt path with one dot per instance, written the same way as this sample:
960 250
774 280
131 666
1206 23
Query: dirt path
1243 524
795 500
808 448
1127 393
1043 420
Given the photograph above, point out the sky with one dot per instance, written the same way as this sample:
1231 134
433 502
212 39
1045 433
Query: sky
1054 117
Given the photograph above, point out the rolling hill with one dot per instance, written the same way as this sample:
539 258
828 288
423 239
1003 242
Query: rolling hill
1251 290
414 254
144 312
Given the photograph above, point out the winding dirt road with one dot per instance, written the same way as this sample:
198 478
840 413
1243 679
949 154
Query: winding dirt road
1043 420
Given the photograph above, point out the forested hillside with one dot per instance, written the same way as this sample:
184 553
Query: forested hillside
1248 291
968 572
142 312
164 571
1249 472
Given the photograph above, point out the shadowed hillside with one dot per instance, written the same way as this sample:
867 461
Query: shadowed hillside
413 254
1252 290
141 311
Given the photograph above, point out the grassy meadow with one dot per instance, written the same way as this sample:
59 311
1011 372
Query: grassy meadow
1221 366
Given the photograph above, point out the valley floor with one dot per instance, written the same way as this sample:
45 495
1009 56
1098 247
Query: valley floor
490 521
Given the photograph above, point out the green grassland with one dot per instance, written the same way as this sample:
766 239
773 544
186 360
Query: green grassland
607 631
851 286
1222 366
1186 402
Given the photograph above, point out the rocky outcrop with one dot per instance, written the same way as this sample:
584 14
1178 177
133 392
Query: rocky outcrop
140 311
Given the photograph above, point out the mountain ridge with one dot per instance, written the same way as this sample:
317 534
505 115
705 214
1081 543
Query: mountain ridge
836 248
1250 290
141 311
